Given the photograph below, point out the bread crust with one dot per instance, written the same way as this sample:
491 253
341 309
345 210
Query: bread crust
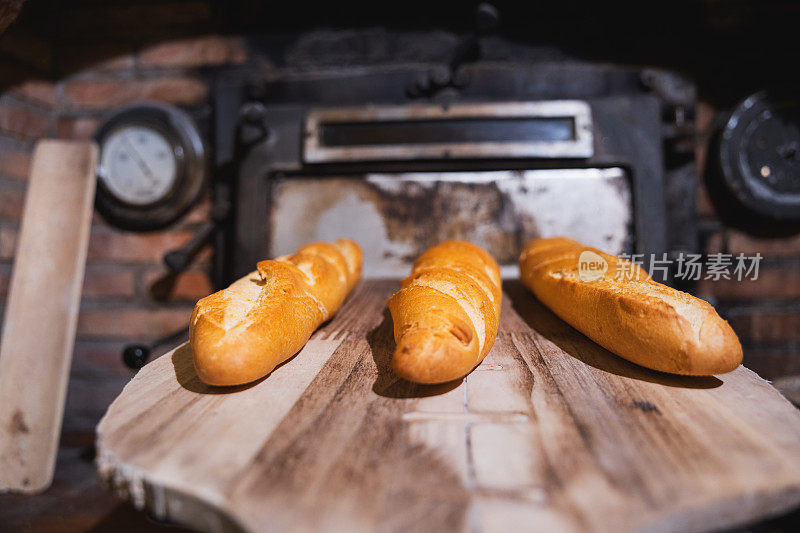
643 321
446 313
241 333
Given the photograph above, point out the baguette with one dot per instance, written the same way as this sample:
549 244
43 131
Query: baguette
241 333
446 313
631 315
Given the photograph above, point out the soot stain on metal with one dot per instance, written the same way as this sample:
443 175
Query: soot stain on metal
418 213
423 215
478 212
400 209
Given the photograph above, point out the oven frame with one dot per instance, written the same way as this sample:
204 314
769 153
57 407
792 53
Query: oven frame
626 132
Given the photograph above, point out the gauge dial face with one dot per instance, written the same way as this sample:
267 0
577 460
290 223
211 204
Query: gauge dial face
138 165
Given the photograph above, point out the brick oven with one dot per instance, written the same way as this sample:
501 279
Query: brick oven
101 62
64 67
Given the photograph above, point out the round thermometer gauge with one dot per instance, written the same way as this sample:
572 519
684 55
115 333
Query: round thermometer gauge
152 166
138 165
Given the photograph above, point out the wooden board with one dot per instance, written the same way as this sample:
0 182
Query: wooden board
42 311
550 433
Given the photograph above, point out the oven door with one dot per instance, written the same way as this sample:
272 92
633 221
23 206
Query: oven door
397 216
399 179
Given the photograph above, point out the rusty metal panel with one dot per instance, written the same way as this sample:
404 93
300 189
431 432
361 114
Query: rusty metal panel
395 217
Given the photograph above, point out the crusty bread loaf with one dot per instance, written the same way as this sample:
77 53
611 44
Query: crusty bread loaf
242 333
446 313
628 313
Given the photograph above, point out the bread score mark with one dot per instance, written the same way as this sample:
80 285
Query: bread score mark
243 332
446 313
628 313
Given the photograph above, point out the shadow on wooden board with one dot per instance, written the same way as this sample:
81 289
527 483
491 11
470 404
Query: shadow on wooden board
544 322
188 379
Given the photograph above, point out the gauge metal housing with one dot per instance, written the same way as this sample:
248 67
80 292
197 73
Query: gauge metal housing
184 139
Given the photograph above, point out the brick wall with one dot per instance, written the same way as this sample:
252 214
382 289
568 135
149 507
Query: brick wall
117 304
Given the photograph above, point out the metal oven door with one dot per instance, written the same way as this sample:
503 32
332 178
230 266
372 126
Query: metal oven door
396 216
399 179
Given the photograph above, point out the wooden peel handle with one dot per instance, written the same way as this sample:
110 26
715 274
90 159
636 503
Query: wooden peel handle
42 312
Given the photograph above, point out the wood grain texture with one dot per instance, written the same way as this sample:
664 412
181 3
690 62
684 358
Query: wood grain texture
549 433
42 312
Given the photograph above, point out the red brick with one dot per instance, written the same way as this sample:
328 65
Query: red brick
742 243
14 163
5 279
97 94
194 52
8 243
76 127
771 283
704 206
767 326
98 281
37 91
99 358
12 200
23 122
189 285
736 242
102 358
137 324
704 124
193 284
108 243
200 213
87 400
109 281
716 243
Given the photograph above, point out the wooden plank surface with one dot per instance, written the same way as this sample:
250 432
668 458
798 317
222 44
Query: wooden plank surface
550 432
42 311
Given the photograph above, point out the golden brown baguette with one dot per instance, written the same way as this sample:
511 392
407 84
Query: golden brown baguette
630 315
446 313
241 333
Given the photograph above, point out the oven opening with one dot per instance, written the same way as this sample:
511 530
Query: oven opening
397 215
464 130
